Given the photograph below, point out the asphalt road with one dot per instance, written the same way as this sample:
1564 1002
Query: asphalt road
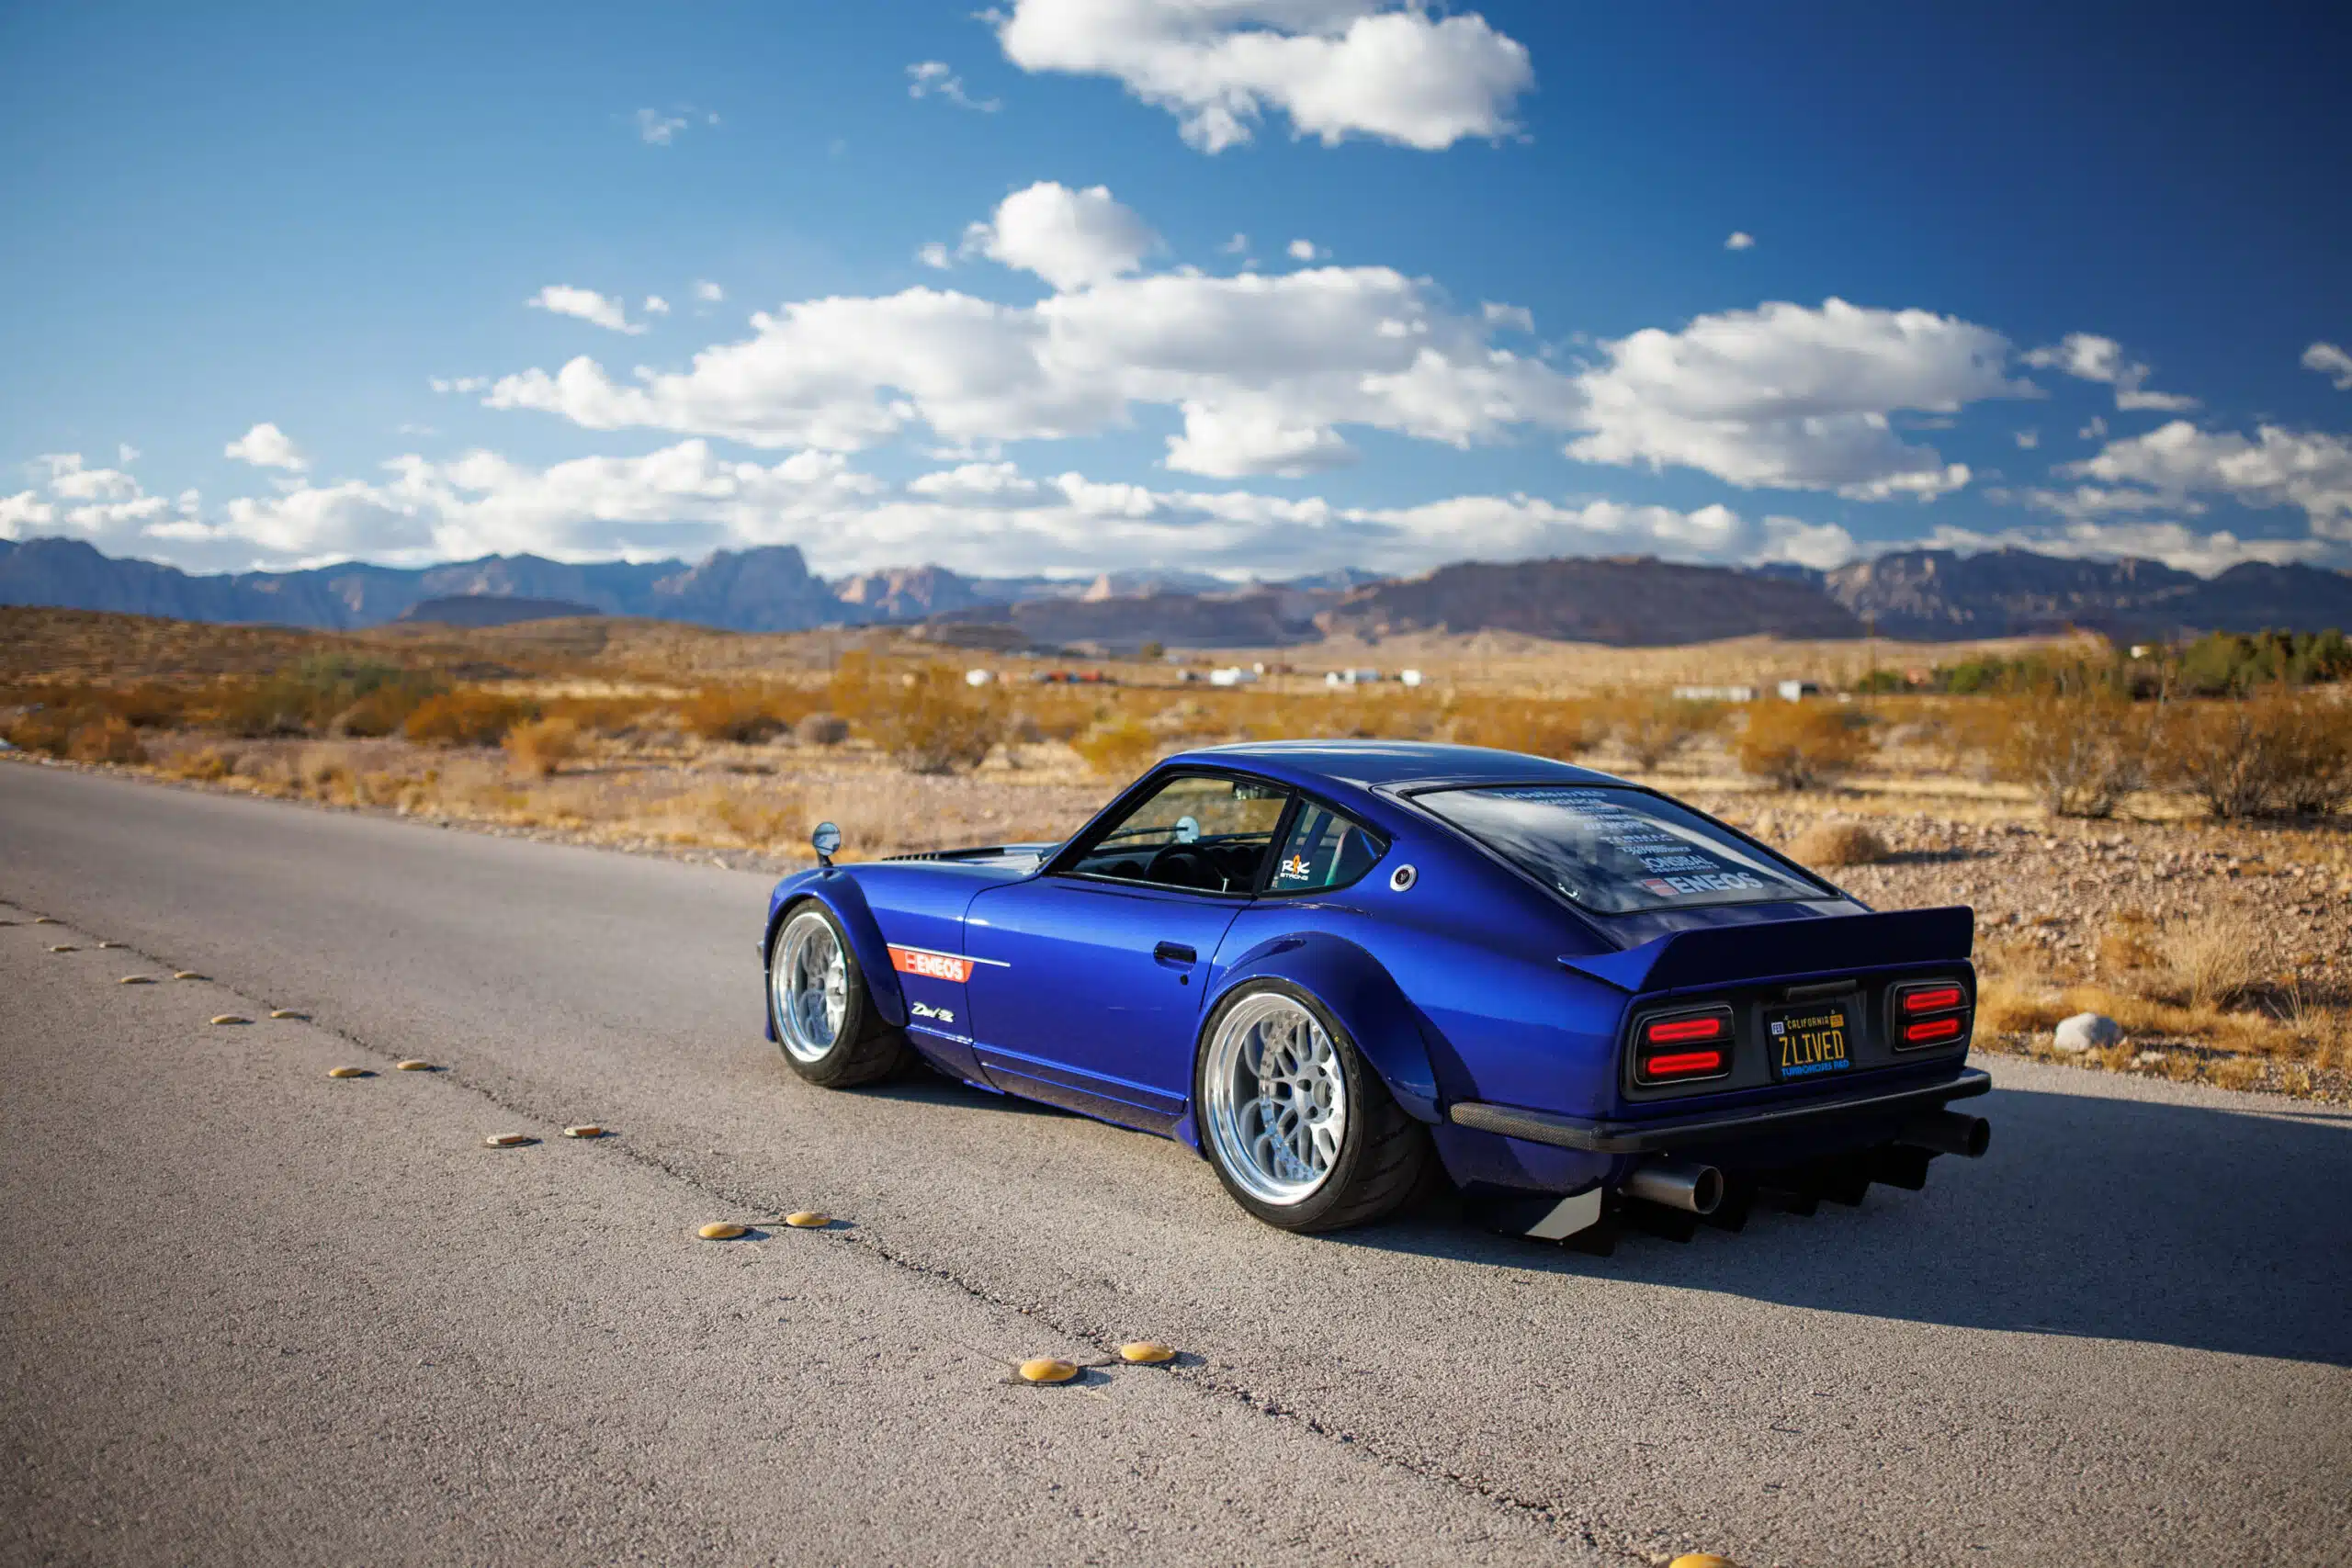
252 1315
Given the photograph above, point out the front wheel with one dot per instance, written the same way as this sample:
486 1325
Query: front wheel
1302 1132
818 1001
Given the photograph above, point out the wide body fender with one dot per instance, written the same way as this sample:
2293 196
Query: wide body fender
1355 990
839 893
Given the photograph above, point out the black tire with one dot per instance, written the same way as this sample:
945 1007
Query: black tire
864 1048
1384 1156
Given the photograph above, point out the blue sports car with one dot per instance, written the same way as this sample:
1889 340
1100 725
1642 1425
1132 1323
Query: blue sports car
1338 969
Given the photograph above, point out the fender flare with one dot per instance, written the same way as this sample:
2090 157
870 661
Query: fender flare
1354 989
845 900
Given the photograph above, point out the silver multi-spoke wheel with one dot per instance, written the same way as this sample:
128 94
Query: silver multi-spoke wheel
809 979
1277 1098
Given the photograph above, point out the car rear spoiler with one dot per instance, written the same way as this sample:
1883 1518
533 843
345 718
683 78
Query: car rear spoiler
1722 956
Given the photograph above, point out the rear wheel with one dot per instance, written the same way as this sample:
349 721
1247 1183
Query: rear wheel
1302 1132
816 999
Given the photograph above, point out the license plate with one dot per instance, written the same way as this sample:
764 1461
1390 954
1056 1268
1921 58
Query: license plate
1809 1040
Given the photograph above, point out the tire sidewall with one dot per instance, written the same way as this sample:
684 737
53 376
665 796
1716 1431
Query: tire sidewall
830 1066
1363 1085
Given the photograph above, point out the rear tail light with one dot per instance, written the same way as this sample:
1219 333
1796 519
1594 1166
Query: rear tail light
1929 1013
1931 998
1679 1047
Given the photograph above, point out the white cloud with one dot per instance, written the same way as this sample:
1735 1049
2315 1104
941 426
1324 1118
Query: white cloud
25 516
266 447
1305 251
2096 429
709 293
935 254
2028 440
1264 369
1741 240
126 454
931 77
1519 318
2331 362
1237 245
1337 68
657 129
2278 468
2090 357
2180 547
1070 238
656 305
601 310
459 383
1793 398
1821 546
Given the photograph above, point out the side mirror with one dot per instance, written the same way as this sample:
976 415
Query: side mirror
826 841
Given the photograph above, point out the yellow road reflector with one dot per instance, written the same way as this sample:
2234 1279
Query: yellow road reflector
1701 1560
136 981
289 1012
349 1073
722 1230
185 974
229 1018
44 920
1045 1368
64 947
109 944
807 1220
1145 1353
509 1140
413 1066
585 1129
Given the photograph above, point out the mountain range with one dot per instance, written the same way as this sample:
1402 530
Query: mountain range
1922 595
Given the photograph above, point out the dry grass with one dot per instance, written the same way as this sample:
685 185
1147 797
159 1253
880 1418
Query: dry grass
1839 843
1802 745
2214 962
537 748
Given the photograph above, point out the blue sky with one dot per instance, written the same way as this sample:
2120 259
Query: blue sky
305 282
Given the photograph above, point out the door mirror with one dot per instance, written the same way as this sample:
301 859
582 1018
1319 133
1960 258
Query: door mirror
826 841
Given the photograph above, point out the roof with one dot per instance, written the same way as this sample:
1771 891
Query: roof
1365 763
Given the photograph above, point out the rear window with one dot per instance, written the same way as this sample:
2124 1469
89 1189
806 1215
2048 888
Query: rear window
1616 850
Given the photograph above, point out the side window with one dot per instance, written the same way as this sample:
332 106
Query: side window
1323 850
1200 831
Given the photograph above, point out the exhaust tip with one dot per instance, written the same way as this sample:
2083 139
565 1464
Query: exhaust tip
1707 1191
1948 1133
1694 1189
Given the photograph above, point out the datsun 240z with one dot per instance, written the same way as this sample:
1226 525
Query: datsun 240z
1340 969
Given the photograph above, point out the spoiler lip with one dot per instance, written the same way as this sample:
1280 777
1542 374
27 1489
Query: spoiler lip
1724 956
1617 1136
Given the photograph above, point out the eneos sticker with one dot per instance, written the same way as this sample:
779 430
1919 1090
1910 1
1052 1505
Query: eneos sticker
932 965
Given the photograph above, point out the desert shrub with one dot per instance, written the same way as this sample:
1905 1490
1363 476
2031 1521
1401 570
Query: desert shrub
1802 745
107 739
1653 728
465 718
208 766
1118 748
2079 754
1531 725
333 691
1839 843
2231 663
821 729
756 820
741 714
537 748
2128 945
934 723
45 729
2277 753
2215 961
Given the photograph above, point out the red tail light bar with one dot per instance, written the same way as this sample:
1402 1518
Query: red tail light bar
1929 1013
1681 1046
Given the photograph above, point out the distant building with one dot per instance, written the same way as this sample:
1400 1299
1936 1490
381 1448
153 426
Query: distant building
1410 677
1792 690
1716 693
1232 675
1352 678
977 677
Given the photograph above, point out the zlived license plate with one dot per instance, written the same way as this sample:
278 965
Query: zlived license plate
1808 1040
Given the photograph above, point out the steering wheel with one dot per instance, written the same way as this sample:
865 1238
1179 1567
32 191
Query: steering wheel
1181 865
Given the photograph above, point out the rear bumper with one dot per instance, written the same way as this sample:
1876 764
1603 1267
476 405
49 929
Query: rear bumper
1652 1135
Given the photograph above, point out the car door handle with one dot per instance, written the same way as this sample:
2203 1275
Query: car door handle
1175 953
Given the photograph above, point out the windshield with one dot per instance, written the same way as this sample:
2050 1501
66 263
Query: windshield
1616 850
